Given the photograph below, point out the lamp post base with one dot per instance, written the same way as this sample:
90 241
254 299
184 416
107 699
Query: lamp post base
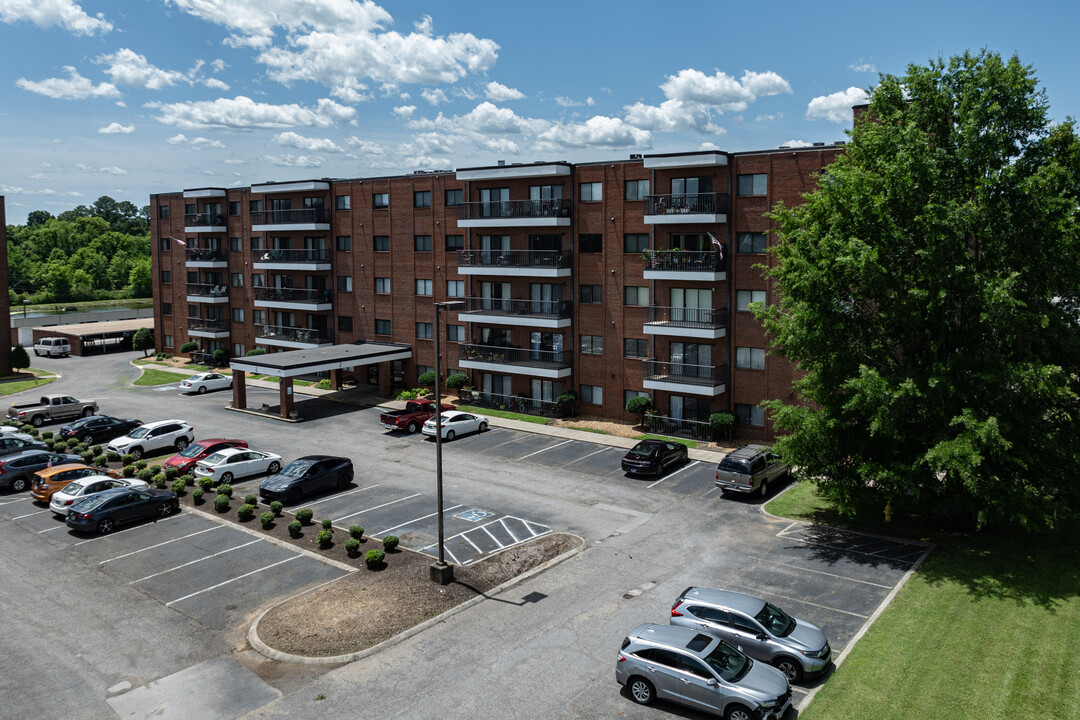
442 573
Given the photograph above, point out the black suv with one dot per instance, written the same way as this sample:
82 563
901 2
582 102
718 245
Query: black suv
306 476
98 428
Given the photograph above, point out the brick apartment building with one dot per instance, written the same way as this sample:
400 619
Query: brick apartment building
610 279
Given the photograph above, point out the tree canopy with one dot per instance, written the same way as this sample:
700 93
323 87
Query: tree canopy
929 295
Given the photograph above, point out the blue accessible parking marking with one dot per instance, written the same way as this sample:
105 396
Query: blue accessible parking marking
474 514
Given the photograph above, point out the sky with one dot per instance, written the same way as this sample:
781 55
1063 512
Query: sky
126 99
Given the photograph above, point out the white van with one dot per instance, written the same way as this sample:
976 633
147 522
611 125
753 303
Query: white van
52 347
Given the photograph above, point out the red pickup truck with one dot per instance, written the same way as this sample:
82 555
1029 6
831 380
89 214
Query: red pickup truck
415 414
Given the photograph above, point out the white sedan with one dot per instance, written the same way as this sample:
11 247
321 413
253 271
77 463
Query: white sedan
227 465
202 382
84 487
456 423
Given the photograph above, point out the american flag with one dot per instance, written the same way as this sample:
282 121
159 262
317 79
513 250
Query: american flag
180 242
717 244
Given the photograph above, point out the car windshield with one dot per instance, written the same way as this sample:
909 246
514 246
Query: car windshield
73 488
297 469
192 451
214 459
775 620
91 503
643 450
139 432
195 378
728 662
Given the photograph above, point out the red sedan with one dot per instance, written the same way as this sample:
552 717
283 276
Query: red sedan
196 451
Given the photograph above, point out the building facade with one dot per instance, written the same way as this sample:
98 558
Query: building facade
608 279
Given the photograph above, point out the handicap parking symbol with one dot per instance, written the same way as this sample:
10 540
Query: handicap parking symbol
473 514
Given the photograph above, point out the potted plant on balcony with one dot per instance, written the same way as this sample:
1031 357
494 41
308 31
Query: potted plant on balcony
647 257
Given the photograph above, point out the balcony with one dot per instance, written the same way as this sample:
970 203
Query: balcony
304 259
687 208
285 220
707 380
204 223
207 293
500 311
517 361
703 265
292 299
293 337
707 323
195 257
519 263
208 327
515 213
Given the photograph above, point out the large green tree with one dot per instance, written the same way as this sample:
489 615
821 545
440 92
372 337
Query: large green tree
929 290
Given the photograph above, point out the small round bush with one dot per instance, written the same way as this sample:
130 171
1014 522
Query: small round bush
356 532
156 469
224 489
457 381
129 471
197 494
294 528
374 557
304 515
112 456
189 347
172 473
80 448
426 379
267 519
178 486
325 538
160 481
140 463
327 524
188 479
97 449
45 434
390 542
323 385
60 446
87 456
245 512
100 461
33 431
221 503
145 474
205 482
250 499
26 428
352 546
276 507
128 459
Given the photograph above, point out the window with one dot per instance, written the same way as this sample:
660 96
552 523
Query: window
343 202
750 358
238 315
455 333
168 341
591 294
635 295
166 276
256 243
258 280
455 288
592 394
164 245
344 323
166 308
422 243
455 242
236 244
380 200
423 331
423 287
382 327
636 348
421 199
163 212
189 209
255 206
637 189
382 285
258 317
636 242
752 184
382 243
749 414
344 283
592 344
238 350
590 243
743 298
234 207
453 197
751 242
592 192
237 279
193 276
628 394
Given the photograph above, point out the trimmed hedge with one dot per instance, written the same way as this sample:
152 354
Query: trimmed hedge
390 542
304 515
374 557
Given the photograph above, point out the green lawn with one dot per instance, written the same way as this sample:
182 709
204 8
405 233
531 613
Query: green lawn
503 414
989 627
588 429
687 443
15 386
153 376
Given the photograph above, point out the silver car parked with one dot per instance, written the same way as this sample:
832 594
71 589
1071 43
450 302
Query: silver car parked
701 671
761 630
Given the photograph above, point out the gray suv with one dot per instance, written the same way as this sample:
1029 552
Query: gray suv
701 671
761 630
750 469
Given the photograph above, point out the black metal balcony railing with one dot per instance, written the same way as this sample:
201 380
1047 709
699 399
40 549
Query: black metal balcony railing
687 204
684 374
684 317
514 209
204 220
685 260
515 403
296 295
290 217
303 255
196 254
315 336
695 429
512 307
207 290
514 258
208 324
548 359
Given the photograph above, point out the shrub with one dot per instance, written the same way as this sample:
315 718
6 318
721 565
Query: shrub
221 503
255 351
327 524
205 482
188 479
97 449
250 499
323 384
80 448
639 405
100 461
155 469
33 431
129 471
566 400
304 515
390 542
276 507
112 456
352 546
128 459
172 473
221 355
87 456
189 347
178 486
722 422
159 480
407 395
59 446
374 558
267 519
356 532
45 434
457 381
426 379
325 538
26 428
140 463
145 474
245 512
225 489
295 527
50 444
197 494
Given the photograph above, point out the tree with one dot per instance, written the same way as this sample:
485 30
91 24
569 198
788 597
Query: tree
143 340
929 294
639 405
19 357
38 217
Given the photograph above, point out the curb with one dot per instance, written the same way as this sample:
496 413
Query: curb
269 652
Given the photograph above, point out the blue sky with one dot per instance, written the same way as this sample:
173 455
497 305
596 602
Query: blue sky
127 99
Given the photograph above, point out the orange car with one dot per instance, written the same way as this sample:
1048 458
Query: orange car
51 480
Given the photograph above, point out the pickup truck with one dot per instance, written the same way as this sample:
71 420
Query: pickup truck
51 407
412 418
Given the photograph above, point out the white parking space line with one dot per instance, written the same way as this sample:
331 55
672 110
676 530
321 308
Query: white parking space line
335 497
819 572
184 565
361 512
232 580
12 502
38 512
493 538
58 527
504 442
668 477
452 556
597 452
528 526
510 532
754 590
151 547
409 522
545 449
134 527
474 546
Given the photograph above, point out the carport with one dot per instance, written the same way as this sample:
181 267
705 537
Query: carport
292 363
96 337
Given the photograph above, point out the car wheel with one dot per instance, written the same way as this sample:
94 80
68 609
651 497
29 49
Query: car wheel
450 435
763 489
89 440
482 428
87 412
293 496
106 526
412 427
165 510
790 667
19 484
274 468
37 421
181 443
641 691
738 712
226 478
136 453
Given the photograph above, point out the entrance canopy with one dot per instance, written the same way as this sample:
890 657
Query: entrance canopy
334 357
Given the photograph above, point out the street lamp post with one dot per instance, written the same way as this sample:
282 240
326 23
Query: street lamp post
441 571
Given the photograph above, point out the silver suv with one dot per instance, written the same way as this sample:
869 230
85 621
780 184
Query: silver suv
694 668
750 469
761 630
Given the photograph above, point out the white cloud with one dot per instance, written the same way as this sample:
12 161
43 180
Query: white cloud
836 108
116 128
405 111
299 161
218 65
128 68
244 113
706 146
863 66
47 13
426 143
69 193
434 96
670 116
765 83
121 103
350 91
365 146
234 161
73 87
485 118
798 144
497 92
767 118
196 143
215 84
113 171
596 132
291 139
10 189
